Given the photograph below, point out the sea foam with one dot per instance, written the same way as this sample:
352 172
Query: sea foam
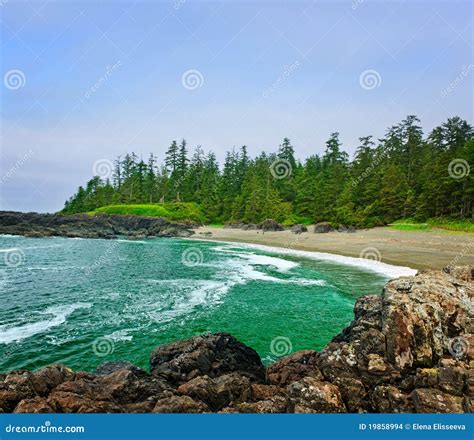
59 314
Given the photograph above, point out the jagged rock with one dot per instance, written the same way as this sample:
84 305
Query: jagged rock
323 227
294 367
34 405
212 355
299 229
270 225
112 367
421 314
310 395
180 404
435 401
389 399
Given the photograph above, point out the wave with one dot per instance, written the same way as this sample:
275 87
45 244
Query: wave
379 267
59 313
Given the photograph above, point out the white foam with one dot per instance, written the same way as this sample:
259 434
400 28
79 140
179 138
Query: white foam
265 260
385 269
120 335
59 313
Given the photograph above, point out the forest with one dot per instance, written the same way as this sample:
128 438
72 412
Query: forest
403 175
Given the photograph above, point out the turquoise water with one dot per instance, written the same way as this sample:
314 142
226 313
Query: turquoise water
83 302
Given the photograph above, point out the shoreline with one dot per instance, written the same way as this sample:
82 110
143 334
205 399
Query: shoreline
409 249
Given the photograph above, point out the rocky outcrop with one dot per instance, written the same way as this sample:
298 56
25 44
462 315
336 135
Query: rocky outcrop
323 227
299 229
270 225
407 350
90 226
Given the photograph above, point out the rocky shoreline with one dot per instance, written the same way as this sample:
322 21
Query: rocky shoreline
410 349
33 224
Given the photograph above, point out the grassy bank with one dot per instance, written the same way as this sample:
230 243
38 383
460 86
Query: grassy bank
410 224
171 211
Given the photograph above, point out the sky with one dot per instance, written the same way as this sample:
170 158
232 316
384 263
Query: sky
86 81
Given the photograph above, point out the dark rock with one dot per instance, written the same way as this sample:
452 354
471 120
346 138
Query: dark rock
299 229
249 227
294 367
212 355
323 227
435 401
343 228
270 225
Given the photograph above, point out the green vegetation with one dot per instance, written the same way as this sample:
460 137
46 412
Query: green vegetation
403 175
172 211
447 224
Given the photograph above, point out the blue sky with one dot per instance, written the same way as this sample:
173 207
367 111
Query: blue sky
83 81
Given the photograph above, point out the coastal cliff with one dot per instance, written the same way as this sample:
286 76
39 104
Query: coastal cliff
33 224
410 349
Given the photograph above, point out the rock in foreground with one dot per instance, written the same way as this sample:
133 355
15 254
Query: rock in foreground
408 350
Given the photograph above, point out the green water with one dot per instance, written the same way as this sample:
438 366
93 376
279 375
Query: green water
83 302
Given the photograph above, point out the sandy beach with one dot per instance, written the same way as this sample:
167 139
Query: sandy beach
416 249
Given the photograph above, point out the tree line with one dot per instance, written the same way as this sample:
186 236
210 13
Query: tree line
404 174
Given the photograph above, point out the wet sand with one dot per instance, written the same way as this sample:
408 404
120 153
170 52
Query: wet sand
416 249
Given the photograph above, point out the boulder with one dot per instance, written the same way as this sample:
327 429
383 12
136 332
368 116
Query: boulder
211 354
323 227
270 225
180 404
299 229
